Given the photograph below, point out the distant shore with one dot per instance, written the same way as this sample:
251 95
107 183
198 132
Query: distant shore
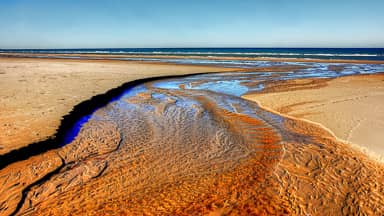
143 57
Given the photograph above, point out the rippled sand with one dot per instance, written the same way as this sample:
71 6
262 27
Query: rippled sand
35 94
195 152
193 146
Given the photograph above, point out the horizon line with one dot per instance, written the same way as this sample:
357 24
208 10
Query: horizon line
208 47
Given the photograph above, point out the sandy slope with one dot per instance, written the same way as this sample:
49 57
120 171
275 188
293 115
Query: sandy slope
36 93
351 107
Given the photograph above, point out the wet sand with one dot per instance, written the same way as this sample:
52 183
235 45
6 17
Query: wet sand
109 56
161 150
36 93
351 107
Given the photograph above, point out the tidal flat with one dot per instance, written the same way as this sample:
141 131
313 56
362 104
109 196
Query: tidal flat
194 145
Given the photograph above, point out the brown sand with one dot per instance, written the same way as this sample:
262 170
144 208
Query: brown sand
351 107
36 93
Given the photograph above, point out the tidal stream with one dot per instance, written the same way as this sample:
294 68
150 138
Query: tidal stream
227 84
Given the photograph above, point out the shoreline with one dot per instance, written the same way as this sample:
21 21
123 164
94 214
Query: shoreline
111 56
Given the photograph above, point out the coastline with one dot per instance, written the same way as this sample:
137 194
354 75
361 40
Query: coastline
112 56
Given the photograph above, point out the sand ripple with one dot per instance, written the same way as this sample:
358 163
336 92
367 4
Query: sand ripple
184 152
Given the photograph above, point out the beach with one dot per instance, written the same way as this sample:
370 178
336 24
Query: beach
217 108
269 138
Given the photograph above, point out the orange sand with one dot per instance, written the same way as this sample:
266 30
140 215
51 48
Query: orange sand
228 164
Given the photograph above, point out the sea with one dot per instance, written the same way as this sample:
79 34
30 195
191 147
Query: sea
306 53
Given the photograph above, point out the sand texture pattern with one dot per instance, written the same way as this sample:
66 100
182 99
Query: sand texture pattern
36 93
186 152
191 145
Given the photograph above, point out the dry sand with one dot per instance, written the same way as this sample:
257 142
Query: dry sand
36 93
352 107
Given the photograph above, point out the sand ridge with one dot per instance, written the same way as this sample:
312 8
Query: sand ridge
350 107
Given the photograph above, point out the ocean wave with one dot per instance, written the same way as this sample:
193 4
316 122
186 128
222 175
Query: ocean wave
245 53
212 54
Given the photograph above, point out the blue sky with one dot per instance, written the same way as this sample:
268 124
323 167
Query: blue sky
191 23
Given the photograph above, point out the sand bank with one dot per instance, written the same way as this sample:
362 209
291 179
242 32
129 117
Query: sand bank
352 107
36 93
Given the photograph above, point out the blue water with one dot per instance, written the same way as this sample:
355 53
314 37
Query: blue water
317 53
73 131
234 83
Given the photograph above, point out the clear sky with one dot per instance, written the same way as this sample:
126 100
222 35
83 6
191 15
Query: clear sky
191 23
